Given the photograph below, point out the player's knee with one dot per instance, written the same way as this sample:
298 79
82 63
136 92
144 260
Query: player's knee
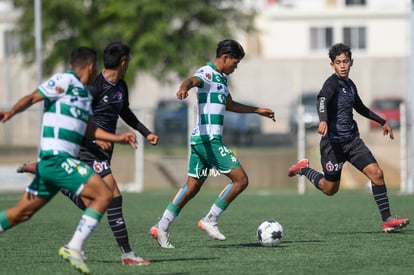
329 189
330 192
243 181
377 175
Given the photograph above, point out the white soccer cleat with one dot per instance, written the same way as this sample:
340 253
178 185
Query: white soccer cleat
160 236
211 229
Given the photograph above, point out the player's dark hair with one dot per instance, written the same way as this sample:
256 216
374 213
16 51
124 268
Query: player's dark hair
230 47
82 56
114 53
339 49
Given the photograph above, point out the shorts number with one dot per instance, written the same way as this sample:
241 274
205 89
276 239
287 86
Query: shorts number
69 165
223 151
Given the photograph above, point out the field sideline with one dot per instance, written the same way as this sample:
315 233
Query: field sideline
323 235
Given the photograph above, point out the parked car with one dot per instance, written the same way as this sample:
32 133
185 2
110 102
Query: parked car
171 120
389 109
242 127
310 115
171 117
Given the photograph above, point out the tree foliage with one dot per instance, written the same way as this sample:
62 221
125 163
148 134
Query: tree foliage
165 36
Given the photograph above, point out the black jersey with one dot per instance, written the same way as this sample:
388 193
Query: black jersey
336 102
110 101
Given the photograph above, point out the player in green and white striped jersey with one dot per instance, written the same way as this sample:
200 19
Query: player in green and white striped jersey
67 118
207 148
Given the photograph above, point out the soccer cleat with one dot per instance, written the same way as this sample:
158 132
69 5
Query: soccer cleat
160 236
131 258
211 229
295 169
27 167
74 258
394 223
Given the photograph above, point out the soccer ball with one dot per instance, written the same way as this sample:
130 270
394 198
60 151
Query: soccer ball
270 233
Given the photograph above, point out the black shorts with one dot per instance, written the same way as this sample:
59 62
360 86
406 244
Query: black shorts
334 155
98 159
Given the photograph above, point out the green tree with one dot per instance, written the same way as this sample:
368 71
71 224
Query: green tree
167 37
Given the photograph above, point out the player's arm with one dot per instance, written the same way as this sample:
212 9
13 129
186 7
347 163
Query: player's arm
328 90
131 119
322 107
94 132
237 107
187 85
21 105
363 110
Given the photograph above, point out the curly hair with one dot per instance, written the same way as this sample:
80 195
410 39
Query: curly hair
339 49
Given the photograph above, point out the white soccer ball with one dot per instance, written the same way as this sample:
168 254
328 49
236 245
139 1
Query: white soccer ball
270 233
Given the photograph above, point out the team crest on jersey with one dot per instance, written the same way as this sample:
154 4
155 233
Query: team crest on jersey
58 89
329 166
208 76
118 95
98 167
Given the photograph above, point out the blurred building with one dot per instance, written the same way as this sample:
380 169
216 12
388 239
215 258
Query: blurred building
287 55
302 28
16 80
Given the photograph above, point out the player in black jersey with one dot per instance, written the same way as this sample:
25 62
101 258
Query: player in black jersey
110 101
341 141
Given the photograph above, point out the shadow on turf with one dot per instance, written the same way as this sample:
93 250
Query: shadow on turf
184 259
167 260
401 231
259 245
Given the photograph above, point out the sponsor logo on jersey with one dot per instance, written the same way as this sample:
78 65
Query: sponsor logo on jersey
322 104
222 98
51 83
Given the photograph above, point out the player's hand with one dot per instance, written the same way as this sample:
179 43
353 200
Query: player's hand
129 138
388 130
104 145
323 128
153 139
181 94
5 116
266 112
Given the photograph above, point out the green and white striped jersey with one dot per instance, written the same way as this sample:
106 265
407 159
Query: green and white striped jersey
66 113
211 99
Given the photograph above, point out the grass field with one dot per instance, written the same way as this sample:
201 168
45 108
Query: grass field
323 235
